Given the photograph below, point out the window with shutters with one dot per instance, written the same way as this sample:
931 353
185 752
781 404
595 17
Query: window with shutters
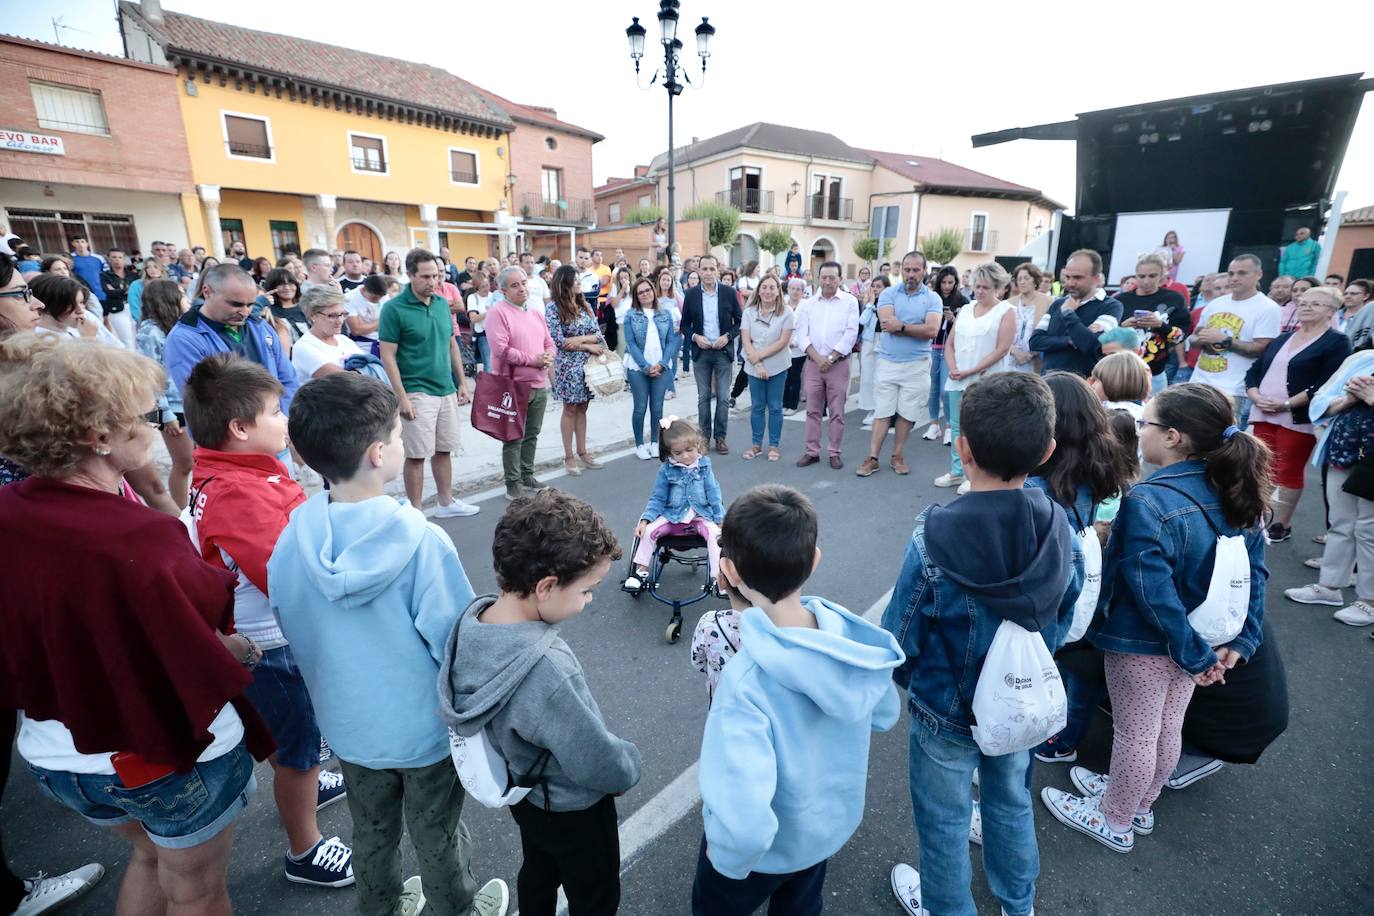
48 231
368 153
613 215
551 184
462 166
69 108
247 136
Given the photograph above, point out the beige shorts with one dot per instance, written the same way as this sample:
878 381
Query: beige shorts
901 389
435 427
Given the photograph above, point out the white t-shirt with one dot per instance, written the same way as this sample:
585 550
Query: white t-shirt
480 304
539 290
653 345
1249 319
49 744
310 353
359 306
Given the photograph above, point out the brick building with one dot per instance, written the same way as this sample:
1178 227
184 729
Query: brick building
92 145
618 196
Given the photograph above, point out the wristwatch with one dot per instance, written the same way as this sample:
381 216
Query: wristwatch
903 330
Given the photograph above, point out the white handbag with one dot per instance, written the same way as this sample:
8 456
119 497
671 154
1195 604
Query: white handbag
1020 700
1086 606
605 374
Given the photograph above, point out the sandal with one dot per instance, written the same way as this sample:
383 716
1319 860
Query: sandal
774 454
752 452
589 462
571 467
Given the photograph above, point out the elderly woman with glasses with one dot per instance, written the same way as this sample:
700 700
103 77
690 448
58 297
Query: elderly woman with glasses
325 348
1280 386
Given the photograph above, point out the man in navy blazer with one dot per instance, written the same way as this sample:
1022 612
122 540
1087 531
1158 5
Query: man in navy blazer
711 322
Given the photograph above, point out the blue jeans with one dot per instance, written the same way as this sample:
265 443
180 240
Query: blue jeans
941 781
484 352
647 392
939 374
1242 411
1158 383
956 467
795 894
1184 374
714 371
766 395
279 695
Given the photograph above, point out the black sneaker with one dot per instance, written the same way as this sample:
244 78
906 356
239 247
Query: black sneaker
1277 533
1053 751
331 789
329 863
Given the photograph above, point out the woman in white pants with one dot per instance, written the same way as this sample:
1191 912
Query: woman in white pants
868 353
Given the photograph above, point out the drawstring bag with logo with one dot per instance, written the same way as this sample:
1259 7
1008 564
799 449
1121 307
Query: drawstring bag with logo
1020 699
484 773
1086 607
498 406
1222 614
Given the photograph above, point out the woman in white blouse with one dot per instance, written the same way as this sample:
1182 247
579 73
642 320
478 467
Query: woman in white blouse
325 348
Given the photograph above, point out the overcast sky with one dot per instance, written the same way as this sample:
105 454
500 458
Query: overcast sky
880 74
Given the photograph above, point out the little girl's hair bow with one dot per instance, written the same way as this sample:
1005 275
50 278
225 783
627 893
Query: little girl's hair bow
668 421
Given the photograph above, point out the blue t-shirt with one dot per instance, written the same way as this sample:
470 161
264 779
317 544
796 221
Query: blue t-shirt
911 308
88 268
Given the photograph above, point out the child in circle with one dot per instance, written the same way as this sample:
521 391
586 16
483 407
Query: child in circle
686 497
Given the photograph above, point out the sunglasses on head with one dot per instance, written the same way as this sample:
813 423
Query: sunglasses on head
153 417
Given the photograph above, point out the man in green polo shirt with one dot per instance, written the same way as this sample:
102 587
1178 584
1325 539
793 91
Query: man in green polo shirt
420 354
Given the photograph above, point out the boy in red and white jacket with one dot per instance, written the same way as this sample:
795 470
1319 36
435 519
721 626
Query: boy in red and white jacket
242 496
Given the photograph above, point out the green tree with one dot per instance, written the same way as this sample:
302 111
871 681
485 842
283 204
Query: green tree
867 249
775 240
943 245
722 221
642 215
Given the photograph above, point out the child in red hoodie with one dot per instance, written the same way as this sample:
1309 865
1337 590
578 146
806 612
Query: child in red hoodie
241 499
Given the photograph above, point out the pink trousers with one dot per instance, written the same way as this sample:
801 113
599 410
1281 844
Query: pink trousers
1150 695
661 527
825 391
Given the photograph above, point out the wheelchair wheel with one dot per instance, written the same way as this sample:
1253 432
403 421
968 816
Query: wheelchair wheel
674 631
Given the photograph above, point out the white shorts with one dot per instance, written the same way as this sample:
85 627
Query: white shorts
435 427
901 389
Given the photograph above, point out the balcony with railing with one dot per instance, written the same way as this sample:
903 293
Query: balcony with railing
980 240
365 164
823 206
534 207
463 177
747 200
248 150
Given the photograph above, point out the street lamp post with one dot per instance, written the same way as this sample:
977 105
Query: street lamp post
672 69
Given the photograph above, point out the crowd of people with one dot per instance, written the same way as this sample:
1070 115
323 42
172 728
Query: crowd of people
1090 435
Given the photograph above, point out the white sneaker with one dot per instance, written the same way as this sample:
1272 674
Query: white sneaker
44 893
906 885
1358 614
949 436
932 432
948 480
456 509
1094 785
1085 815
1315 594
1313 562
868 421
964 488
975 825
645 452
412 896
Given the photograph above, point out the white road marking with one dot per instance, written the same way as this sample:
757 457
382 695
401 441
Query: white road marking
676 800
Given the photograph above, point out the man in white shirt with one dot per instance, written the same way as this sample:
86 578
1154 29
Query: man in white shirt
827 326
364 304
353 275
1233 330
588 282
538 289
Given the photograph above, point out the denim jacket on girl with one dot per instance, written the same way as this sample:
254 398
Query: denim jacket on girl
1158 567
1011 555
678 489
636 327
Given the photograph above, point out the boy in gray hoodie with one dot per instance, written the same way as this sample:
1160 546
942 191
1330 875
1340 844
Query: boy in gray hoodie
507 671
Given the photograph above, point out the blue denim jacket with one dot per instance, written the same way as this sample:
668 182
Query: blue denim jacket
678 489
1159 565
946 635
636 325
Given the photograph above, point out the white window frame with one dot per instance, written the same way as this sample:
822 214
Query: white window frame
476 164
67 128
386 153
645 200
613 213
972 219
562 187
826 178
225 114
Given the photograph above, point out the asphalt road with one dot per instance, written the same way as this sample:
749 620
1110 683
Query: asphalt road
1290 834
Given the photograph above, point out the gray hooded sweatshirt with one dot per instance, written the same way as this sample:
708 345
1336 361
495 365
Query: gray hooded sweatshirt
528 698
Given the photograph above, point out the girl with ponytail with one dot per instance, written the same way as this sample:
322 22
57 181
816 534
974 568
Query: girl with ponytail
1213 482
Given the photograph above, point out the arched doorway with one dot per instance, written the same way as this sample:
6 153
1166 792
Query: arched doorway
361 239
745 249
822 249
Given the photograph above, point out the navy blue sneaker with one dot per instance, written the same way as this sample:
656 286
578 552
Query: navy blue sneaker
1054 752
329 863
332 789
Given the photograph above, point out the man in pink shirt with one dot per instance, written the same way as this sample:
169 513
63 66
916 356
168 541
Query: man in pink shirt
827 326
521 347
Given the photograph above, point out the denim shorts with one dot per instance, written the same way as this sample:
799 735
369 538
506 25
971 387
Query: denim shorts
178 811
278 692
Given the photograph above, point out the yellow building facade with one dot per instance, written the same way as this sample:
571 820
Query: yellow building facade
317 148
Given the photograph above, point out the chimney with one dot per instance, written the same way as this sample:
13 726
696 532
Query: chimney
152 11
641 171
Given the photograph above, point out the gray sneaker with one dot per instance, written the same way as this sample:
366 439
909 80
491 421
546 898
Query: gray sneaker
492 899
515 491
533 486
412 897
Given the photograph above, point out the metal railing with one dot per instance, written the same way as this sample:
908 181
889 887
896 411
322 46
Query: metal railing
368 165
464 177
747 200
252 150
571 210
985 240
823 206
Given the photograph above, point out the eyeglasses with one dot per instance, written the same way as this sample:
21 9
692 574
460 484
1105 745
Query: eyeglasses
153 417
1141 423
25 293
335 316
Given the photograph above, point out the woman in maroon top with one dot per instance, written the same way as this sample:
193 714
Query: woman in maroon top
131 694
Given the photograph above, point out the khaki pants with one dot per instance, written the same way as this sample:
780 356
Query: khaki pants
517 456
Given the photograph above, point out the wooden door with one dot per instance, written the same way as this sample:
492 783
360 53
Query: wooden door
362 240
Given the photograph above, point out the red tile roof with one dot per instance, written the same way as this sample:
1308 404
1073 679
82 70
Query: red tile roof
1360 216
388 78
938 175
539 115
615 184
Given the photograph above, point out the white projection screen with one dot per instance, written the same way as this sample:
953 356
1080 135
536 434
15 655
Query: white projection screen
1202 234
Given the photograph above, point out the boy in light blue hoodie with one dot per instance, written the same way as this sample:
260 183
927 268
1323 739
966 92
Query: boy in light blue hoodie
367 591
784 759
